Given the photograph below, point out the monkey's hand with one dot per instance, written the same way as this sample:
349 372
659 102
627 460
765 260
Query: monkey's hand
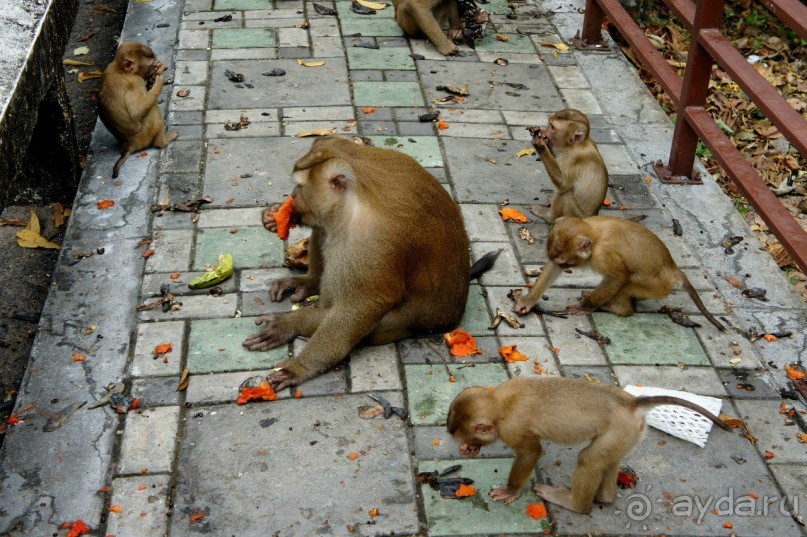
303 286
540 140
503 494
282 379
524 304
577 310
455 34
269 221
277 332
469 451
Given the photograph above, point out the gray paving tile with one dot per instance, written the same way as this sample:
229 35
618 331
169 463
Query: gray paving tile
767 424
145 506
149 440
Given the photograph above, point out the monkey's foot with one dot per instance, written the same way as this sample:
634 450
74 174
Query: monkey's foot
269 222
577 310
541 212
303 288
275 334
468 451
558 495
503 494
281 379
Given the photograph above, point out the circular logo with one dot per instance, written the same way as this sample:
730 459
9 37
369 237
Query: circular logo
638 507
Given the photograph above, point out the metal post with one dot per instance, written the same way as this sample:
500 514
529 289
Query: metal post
709 15
592 23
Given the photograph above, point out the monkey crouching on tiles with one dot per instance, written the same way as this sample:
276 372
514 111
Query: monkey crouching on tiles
522 412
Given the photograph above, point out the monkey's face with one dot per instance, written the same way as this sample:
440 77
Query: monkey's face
466 423
565 245
138 59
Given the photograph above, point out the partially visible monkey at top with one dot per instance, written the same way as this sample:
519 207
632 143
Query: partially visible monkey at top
127 107
633 262
426 17
524 411
388 257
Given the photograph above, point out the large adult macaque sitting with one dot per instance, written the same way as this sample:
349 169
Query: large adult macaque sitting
127 108
388 257
426 17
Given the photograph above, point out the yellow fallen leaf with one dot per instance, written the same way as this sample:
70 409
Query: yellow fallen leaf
525 152
68 61
317 63
88 75
30 237
80 51
318 132
559 46
372 5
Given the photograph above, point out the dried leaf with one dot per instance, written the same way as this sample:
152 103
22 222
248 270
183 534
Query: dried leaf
511 355
318 132
558 46
7 222
454 90
526 151
371 411
318 63
89 75
515 215
461 343
184 379
58 215
30 237
81 51
297 254
525 234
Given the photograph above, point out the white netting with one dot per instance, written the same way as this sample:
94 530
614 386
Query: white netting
679 421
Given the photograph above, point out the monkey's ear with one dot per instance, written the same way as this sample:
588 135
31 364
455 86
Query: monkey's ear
484 427
128 64
584 244
340 174
578 137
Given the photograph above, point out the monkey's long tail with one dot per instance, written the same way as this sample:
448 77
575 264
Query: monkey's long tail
647 402
693 294
119 163
484 264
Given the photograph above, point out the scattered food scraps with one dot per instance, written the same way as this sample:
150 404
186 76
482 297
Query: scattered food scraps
372 5
76 528
318 132
297 254
189 206
369 412
596 336
795 371
769 338
461 343
557 46
221 272
756 292
233 76
243 123
122 403
7 222
105 204
508 213
224 18
276 71
374 512
442 125
388 409
111 389
525 234
606 202
447 486
511 355
734 281
353 456
163 348
148 253
81 51
166 300
677 229
525 152
507 317
255 389
536 510
368 110
501 61
463 491
627 478
429 116
323 10
78 357
184 92
360 9
454 90
75 63
196 517
678 316
283 218
115 509
318 63
502 37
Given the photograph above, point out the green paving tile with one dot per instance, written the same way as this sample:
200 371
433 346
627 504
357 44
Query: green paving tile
215 346
251 247
387 94
242 4
243 38
479 514
424 149
518 44
498 7
430 395
649 338
476 319
380 24
382 58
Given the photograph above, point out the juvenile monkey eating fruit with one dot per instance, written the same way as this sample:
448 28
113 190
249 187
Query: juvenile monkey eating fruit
126 107
633 262
574 165
388 257
522 412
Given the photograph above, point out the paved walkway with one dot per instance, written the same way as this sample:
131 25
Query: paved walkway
290 467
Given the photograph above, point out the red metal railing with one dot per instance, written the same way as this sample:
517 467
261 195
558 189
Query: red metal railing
709 46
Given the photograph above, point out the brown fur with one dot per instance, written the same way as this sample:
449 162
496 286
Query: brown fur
522 412
388 257
126 107
574 165
425 17
634 263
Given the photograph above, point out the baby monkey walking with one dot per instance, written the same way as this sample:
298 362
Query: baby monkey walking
523 411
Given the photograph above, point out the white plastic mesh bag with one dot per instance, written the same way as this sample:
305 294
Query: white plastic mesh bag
679 421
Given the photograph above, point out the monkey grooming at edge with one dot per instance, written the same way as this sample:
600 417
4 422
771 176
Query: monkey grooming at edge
388 257
523 411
